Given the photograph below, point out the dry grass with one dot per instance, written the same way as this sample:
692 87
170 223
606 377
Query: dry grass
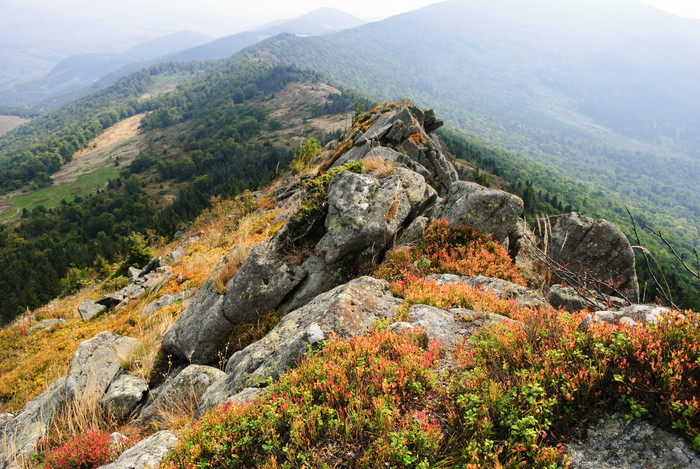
28 363
178 411
144 357
379 166
81 415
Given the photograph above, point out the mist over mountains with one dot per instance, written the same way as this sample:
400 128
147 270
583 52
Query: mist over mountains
32 76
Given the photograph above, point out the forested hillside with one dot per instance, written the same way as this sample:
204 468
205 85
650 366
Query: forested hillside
220 150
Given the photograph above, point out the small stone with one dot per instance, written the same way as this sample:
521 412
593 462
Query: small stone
88 309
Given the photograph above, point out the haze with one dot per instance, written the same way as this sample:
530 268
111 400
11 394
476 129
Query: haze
81 26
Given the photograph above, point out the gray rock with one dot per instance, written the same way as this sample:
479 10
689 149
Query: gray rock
164 301
132 273
152 265
432 123
612 443
217 395
88 309
413 233
437 323
123 395
631 315
594 247
21 434
96 363
501 288
184 390
176 254
147 453
491 211
261 284
365 212
346 310
201 329
47 325
379 128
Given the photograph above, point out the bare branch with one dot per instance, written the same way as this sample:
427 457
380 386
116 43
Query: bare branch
664 292
695 273
588 288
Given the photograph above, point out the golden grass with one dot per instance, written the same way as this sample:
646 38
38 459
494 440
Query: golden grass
81 415
29 363
381 167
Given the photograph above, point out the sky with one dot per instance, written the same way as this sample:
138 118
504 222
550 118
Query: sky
72 21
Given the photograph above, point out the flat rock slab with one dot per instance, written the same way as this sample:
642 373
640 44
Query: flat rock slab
88 309
612 443
21 433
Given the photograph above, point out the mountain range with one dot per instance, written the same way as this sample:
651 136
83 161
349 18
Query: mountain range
78 75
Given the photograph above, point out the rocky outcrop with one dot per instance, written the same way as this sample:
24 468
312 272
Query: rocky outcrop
361 217
406 129
345 311
96 363
146 454
594 248
140 281
21 433
612 443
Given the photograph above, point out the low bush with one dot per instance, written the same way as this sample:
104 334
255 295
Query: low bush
459 250
371 401
86 451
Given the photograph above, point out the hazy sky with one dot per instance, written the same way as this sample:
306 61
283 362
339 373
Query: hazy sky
36 21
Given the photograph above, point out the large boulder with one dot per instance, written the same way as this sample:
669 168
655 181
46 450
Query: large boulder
21 433
183 391
366 212
96 363
491 211
594 248
612 443
344 311
147 453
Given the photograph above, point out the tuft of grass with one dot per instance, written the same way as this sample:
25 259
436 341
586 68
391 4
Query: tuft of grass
379 166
